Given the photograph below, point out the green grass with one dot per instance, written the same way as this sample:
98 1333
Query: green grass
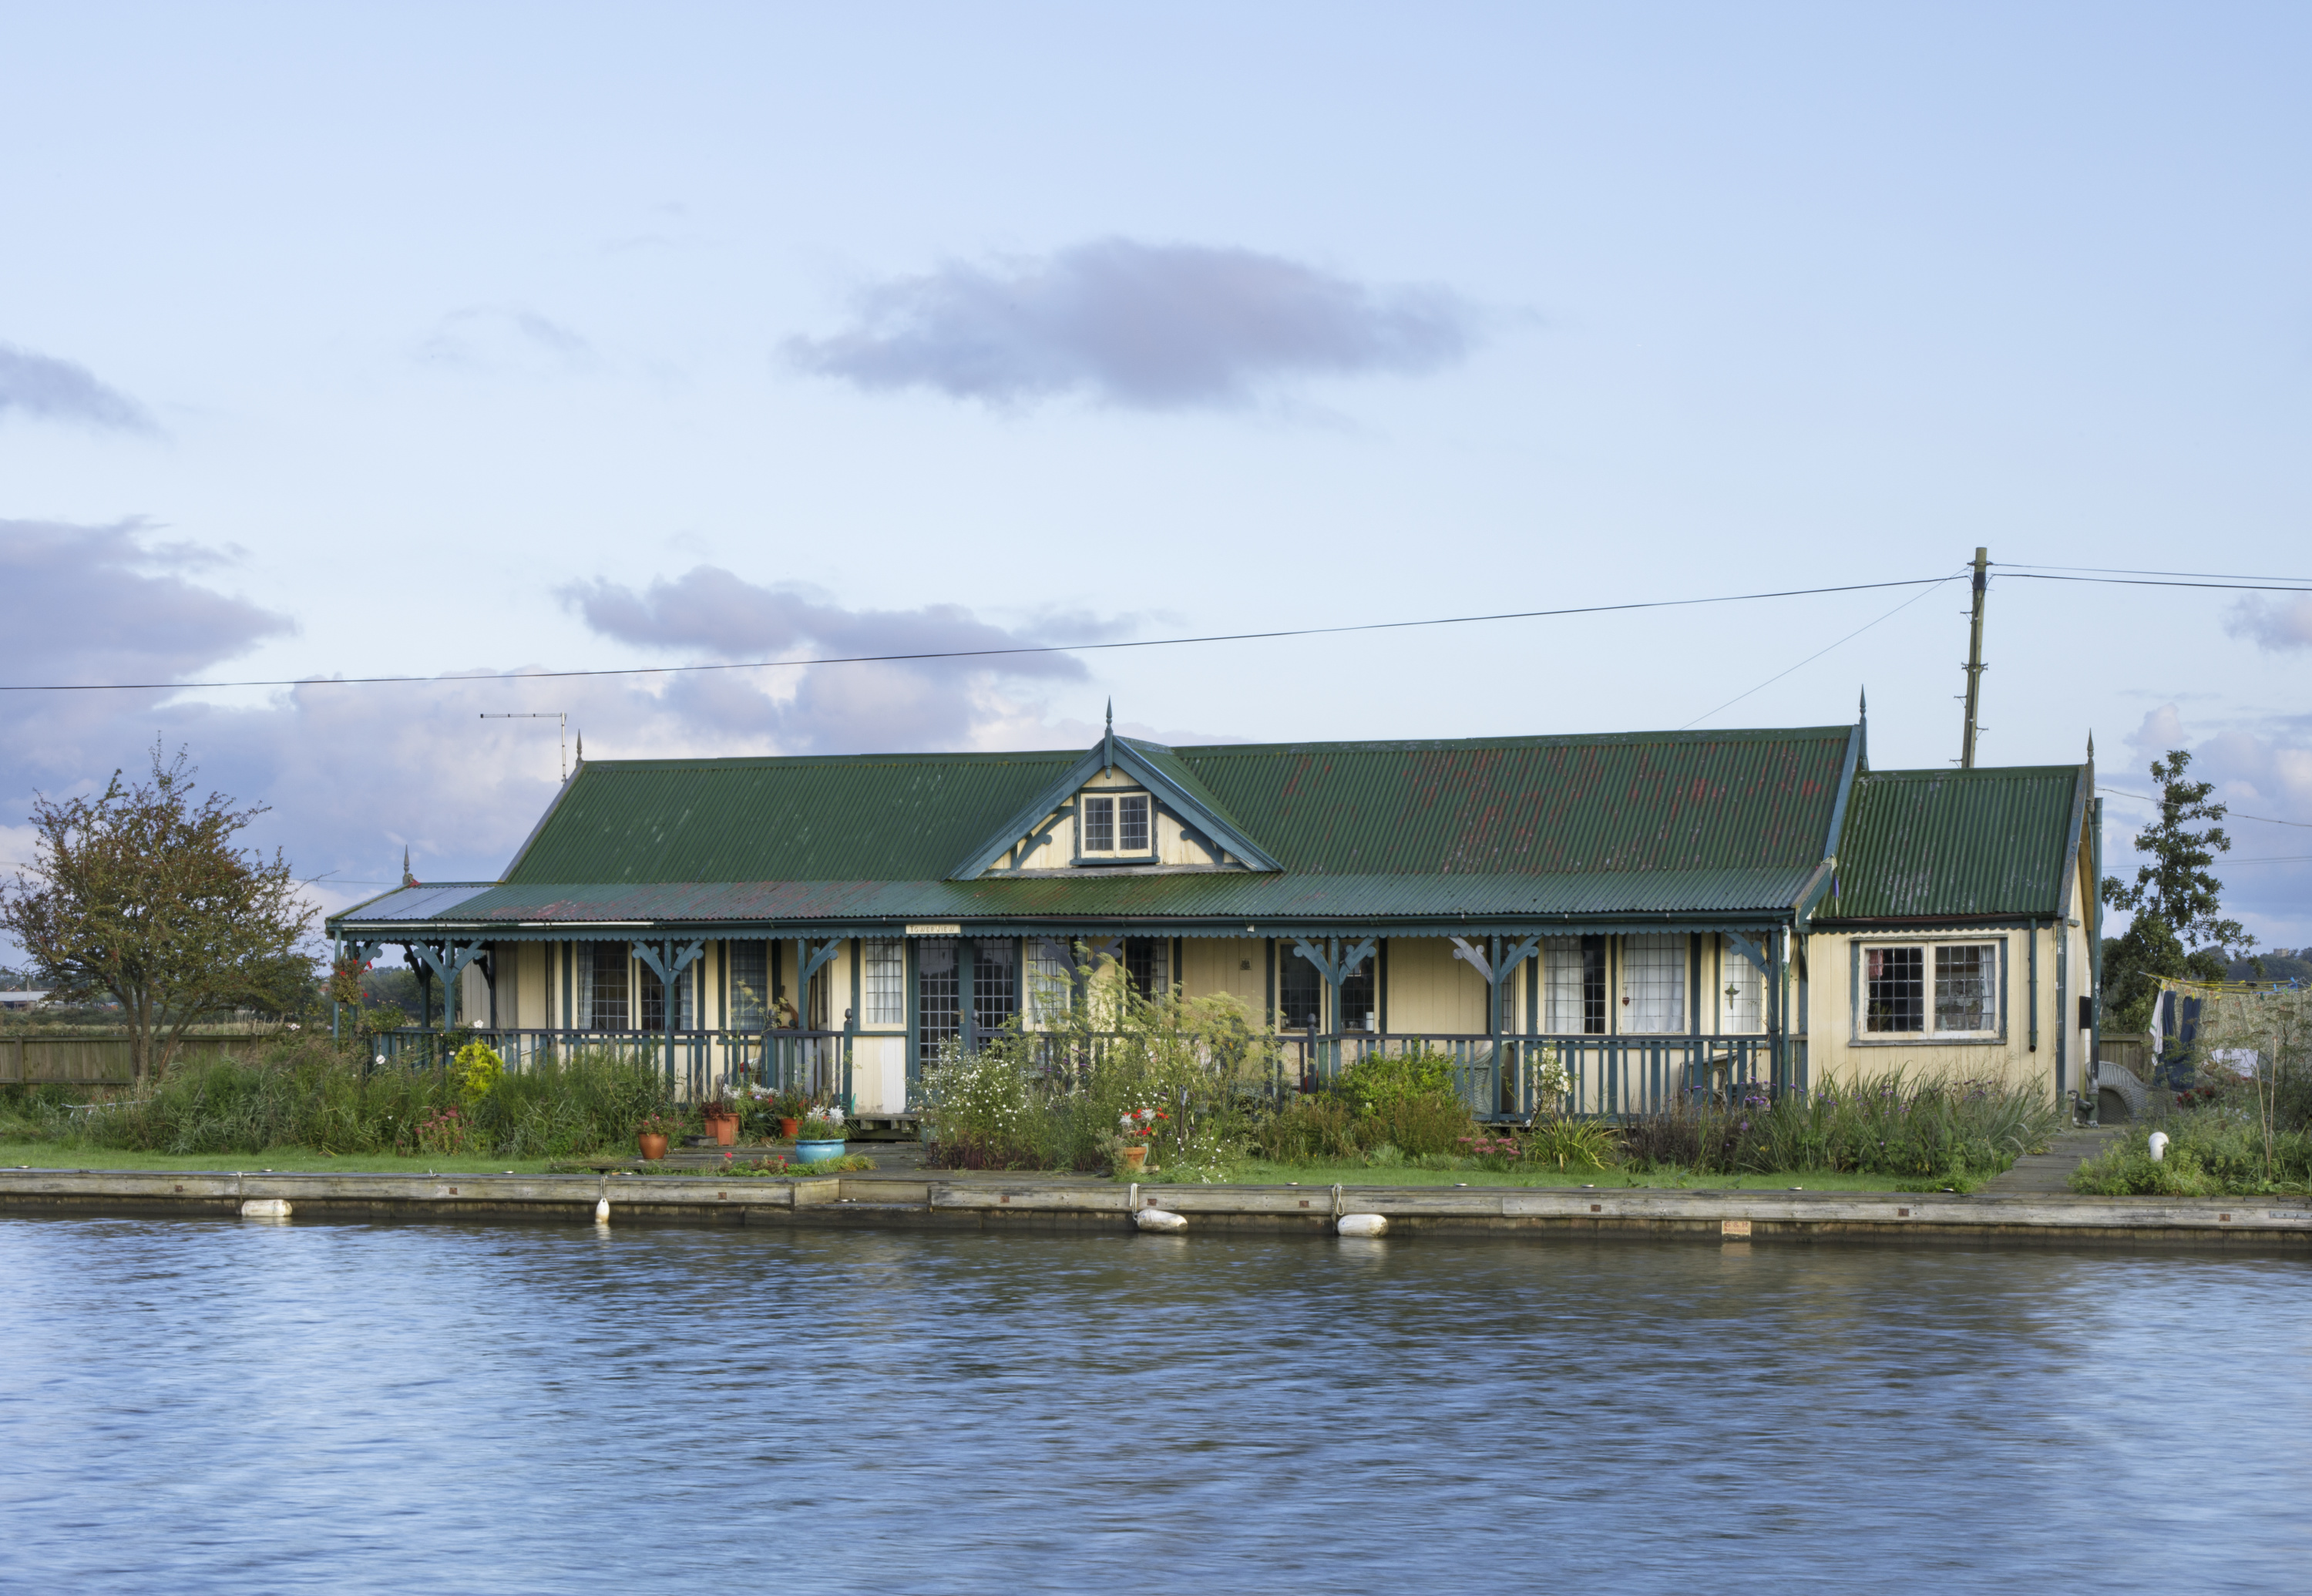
296 1161
1257 1172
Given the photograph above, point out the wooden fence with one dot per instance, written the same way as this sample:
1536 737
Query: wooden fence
102 1060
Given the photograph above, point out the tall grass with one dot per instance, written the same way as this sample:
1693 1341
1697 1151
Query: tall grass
307 1092
1888 1125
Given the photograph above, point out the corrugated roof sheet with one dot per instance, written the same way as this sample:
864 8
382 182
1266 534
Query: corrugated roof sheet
1210 894
1502 806
415 903
1953 844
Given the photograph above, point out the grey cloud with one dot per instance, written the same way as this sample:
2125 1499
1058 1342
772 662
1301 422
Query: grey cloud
56 389
85 603
2274 624
1142 326
711 609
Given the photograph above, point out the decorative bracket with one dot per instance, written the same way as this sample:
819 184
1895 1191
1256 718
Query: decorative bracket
1334 965
667 964
1748 950
1482 962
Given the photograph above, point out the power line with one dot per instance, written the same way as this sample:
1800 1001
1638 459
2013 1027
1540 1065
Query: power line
971 654
2018 566
2229 587
2230 813
1811 658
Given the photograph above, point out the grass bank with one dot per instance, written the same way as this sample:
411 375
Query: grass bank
1260 1172
282 1161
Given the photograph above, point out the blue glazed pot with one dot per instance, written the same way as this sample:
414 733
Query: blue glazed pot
817 1152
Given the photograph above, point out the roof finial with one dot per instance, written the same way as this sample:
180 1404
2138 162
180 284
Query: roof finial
1862 703
581 748
407 879
1107 740
2090 747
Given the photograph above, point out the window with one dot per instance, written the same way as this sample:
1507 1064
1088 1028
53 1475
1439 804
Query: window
1947 989
1653 983
886 983
1357 997
1147 965
1115 823
1741 991
653 996
1300 991
602 989
1573 975
1051 985
939 1008
994 986
749 975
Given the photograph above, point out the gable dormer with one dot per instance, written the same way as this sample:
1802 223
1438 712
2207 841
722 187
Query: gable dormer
1125 805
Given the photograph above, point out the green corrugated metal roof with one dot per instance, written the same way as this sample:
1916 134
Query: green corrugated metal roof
874 817
1954 844
1669 801
1200 895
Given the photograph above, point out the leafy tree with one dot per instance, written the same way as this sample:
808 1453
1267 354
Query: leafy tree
139 894
2179 930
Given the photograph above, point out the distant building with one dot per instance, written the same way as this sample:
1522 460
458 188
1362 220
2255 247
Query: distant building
1676 913
23 1000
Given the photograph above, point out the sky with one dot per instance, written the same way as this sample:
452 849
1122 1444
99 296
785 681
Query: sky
454 342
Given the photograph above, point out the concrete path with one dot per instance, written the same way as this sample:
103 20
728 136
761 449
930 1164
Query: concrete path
2049 1173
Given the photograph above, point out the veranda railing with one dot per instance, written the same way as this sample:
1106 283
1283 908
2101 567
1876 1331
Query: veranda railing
699 1063
1609 1076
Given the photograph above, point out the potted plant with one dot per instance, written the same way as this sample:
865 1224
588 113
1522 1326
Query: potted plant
652 1133
821 1135
722 1117
1131 1137
788 1108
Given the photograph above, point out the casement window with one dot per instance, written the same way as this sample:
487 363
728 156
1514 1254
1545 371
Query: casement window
748 966
884 988
1357 997
1653 983
939 1006
1573 984
653 998
994 985
602 986
1147 965
1115 825
1741 992
1300 991
1930 989
1051 986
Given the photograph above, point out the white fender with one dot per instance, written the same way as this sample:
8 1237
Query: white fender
2158 1146
1363 1224
265 1208
601 1210
1160 1220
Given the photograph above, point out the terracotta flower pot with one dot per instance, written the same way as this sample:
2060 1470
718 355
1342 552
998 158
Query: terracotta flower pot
788 1127
1135 1159
725 1127
653 1146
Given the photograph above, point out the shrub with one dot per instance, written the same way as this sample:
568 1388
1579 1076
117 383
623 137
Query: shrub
1317 1129
2214 1151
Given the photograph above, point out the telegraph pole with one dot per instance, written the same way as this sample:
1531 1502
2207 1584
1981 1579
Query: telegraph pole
1974 659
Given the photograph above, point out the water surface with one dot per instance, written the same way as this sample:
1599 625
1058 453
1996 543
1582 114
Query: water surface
192 1406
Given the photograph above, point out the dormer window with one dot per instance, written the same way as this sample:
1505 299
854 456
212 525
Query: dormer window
1115 826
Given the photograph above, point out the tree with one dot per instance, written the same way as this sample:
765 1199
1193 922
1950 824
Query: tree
2179 930
140 894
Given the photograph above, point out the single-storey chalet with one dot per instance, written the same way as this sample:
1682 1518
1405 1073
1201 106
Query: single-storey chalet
1677 912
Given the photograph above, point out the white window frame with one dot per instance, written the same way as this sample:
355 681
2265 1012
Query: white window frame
883 981
1931 1032
1640 982
1115 797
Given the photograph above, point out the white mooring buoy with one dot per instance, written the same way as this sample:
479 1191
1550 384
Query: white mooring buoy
1163 1221
1365 1225
265 1208
2158 1146
601 1210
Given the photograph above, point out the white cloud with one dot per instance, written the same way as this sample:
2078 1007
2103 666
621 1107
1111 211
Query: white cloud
52 390
2275 624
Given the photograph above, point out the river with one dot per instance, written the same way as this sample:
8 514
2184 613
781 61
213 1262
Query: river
197 1406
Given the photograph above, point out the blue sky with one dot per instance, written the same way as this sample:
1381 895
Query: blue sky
452 341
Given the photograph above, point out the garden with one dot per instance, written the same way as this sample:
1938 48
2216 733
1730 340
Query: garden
1173 1088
